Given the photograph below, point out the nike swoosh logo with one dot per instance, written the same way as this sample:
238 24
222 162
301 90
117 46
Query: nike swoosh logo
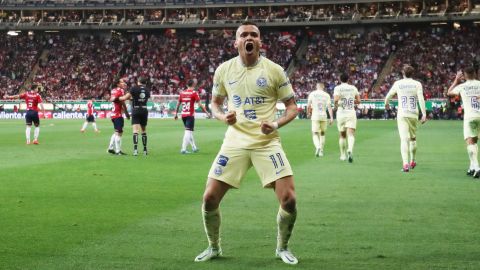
277 172
233 82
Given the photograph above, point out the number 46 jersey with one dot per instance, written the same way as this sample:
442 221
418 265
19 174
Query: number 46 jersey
409 92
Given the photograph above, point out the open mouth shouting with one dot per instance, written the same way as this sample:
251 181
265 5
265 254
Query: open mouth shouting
249 47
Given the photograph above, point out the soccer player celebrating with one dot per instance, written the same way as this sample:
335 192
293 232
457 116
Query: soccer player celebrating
345 97
470 92
33 101
409 92
318 102
115 146
252 84
187 100
139 95
90 118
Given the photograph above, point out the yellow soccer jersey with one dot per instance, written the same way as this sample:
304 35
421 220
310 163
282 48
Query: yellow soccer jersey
319 101
346 104
410 93
252 93
469 91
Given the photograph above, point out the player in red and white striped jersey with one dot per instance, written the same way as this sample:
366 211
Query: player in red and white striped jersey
115 146
33 101
90 117
187 100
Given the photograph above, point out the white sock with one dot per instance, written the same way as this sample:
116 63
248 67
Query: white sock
192 140
351 142
285 223
112 142
322 141
472 150
316 140
95 126
27 133
84 126
36 132
118 143
211 223
342 143
413 150
185 141
404 150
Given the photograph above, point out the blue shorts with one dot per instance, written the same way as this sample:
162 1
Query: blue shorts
189 122
32 116
118 124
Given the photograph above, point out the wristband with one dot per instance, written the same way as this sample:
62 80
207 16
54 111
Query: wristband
275 125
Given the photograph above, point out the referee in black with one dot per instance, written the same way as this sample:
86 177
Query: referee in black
139 95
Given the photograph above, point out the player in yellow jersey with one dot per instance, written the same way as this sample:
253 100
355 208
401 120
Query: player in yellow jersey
252 84
345 97
317 105
470 93
410 93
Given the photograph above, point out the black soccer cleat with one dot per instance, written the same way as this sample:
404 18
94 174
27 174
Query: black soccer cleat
476 174
120 154
350 157
111 151
470 172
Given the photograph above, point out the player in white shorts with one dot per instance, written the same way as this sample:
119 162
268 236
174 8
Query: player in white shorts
252 84
346 97
318 103
470 93
410 93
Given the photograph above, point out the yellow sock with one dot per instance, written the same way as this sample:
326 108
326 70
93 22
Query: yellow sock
285 222
211 223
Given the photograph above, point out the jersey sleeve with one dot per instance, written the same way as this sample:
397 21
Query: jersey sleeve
421 99
457 89
39 99
391 93
285 89
218 82
196 97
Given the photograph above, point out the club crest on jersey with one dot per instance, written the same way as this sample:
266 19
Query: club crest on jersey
261 82
237 101
222 160
250 114
218 171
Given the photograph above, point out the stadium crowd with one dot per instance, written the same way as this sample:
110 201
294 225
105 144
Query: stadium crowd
79 65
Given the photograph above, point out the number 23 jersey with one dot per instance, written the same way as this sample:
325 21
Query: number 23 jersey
409 92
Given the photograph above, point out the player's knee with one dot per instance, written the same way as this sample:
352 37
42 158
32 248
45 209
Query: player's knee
210 201
322 133
289 202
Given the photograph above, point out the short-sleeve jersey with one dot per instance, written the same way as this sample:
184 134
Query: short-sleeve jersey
252 93
409 92
346 104
469 91
32 99
117 105
90 108
140 96
187 100
319 101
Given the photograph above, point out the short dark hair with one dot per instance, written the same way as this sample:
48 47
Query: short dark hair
249 23
470 72
408 71
344 77
191 83
142 80
34 86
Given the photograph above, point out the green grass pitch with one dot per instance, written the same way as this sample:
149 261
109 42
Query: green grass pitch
67 204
